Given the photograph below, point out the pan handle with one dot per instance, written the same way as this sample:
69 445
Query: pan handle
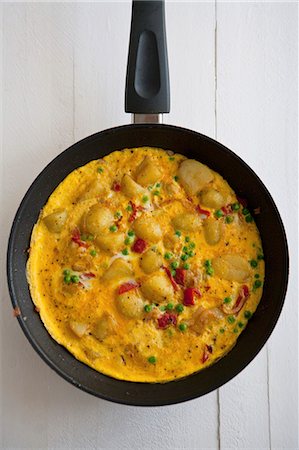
147 81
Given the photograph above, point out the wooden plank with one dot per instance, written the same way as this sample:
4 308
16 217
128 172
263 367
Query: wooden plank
256 106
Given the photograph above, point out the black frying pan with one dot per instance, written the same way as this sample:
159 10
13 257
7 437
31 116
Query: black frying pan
147 92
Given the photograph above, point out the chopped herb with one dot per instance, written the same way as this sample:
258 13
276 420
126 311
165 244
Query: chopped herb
156 192
100 170
145 199
83 237
152 360
113 228
125 251
183 327
186 266
171 158
253 263
218 213
247 314
129 208
173 273
168 255
187 239
235 206
229 219
179 308
210 271
231 319
93 253
148 308
90 237
178 233
227 300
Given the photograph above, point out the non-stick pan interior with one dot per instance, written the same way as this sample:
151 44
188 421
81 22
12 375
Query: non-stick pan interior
242 179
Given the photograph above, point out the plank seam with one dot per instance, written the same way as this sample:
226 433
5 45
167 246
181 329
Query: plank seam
268 398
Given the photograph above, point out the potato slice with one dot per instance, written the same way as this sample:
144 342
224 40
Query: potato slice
78 328
157 288
231 268
148 228
95 189
130 304
211 198
55 221
150 261
112 242
98 219
186 222
130 188
148 172
212 230
194 175
118 269
104 327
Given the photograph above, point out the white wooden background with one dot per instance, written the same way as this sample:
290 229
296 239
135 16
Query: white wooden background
233 70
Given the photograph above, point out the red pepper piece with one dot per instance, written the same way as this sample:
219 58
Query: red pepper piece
166 320
172 280
243 201
180 276
76 237
226 210
116 186
139 246
127 287
135 209
88 275
189 296
203 212
240 302
208 349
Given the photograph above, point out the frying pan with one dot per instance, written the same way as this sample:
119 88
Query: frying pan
147 96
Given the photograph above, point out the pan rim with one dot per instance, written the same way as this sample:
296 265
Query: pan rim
11 284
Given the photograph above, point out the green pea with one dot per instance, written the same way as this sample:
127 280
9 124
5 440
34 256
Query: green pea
118 215
257 284
227 300
169 306
93 253
156 192
208 263
253 263
67 279
260 257
83 237
152 360
148 308
191 253
187 239
183 327
231 319
173 273
179 308
158 185
185 249
218 213
129 208
90 237
100 170
249 218
162 308
235 206
247 314
125 251
178 233
192 245
174 265
113 228
168 255
229 219
240 324
75 279
184 257
222 330
128 240
186 266
256 275
236 330
145 199
176 178
171 158
66 272
245 211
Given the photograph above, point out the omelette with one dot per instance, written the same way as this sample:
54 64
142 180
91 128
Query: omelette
145 265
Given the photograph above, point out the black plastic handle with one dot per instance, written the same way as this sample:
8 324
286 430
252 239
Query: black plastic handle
147 82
